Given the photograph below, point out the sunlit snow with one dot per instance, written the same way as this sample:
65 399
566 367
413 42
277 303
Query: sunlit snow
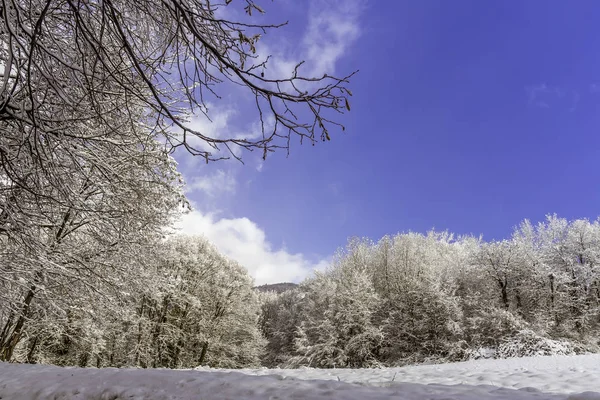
559 377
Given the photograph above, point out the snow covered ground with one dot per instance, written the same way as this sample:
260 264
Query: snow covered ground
572 378
558 374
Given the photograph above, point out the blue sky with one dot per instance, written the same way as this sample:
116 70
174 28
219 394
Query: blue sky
467 116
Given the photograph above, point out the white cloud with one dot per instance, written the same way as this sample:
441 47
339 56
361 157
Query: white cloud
217 127
244 241
219 124
332 28
218 183
538 94
546 96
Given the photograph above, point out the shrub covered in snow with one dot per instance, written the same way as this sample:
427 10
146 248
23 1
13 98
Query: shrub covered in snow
490 327
528 343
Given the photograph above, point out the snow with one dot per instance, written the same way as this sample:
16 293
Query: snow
559 374
558 377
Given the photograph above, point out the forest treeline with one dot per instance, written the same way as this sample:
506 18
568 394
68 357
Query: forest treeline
180 304
408 298
415 298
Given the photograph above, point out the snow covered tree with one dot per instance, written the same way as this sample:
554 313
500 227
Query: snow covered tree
201 311
338 329
413 298
570 253
534 275
498 260
419 313
94 97
281 315
70 63
94 206
187 306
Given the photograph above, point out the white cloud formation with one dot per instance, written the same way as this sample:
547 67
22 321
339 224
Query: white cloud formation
216 125
539 94
332 28
244 241
218 183
545 96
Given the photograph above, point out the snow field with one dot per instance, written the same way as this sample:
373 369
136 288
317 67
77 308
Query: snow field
559 374
566 378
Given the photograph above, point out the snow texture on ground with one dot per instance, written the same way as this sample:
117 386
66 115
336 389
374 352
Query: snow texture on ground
558 374
571 378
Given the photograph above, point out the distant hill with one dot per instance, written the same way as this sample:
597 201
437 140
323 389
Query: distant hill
277 287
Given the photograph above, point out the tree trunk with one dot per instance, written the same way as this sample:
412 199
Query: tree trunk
157 331
203 353
6 329
553 299
503 283
180 340
140 334
10 342
519 303
32 348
